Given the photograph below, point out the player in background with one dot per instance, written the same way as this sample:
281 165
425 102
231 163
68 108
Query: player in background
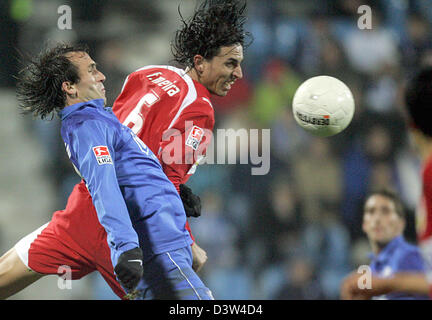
418 98
384 224
212 64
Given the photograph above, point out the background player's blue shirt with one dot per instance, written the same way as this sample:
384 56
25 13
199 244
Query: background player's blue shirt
135 202
397 256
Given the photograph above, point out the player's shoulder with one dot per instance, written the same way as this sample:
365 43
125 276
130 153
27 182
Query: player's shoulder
203 104
164 76
153 72
409 250
88 121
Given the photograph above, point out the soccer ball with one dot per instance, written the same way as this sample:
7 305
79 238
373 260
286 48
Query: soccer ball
323 106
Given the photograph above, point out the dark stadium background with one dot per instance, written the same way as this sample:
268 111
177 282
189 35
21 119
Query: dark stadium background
291 234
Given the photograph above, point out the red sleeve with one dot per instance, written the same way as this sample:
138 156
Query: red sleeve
424 209
186 142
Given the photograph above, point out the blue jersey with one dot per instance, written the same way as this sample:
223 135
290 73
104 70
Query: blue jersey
397 256
134 200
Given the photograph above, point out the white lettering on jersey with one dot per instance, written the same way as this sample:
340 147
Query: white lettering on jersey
166 85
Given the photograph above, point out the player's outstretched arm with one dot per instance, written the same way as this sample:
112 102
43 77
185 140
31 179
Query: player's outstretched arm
84 141
14 275
408 282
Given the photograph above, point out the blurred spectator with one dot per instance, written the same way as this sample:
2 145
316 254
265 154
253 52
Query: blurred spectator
326 244
379 43
418 41
231 279
381 93
110 55
287 138
213 231
274 92
361 163
300 282
10 32
317 176
283 217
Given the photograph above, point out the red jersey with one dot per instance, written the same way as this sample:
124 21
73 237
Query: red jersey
171 113
424 217
424 210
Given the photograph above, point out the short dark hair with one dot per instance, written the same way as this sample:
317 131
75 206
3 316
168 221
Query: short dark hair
391 195
39 86
214 24
418 99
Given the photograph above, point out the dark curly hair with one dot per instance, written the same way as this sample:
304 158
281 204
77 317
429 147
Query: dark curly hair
39 86
214 24
390 194
418 99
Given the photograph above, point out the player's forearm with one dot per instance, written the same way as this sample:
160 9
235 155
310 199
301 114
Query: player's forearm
113 215
411 283
414 283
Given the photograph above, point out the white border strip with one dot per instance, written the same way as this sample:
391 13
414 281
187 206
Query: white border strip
193 288
22 247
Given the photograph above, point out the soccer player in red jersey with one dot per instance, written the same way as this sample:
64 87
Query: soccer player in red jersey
170 110
418 98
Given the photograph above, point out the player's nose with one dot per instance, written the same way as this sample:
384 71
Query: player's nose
238 73
101 76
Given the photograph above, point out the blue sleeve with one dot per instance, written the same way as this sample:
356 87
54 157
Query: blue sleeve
98 170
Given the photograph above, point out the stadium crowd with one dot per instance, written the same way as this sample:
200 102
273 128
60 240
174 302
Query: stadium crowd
295 232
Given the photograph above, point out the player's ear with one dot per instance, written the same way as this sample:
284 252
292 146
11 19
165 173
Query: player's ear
199 63
69 88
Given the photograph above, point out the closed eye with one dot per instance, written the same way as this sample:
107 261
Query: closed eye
232 63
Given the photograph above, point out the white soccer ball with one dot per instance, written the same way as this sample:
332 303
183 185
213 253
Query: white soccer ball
323 106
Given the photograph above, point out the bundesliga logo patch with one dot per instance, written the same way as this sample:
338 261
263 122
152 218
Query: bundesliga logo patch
102 155
194 138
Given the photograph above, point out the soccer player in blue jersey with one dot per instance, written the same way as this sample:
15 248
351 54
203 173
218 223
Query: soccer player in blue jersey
384 224
136 204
